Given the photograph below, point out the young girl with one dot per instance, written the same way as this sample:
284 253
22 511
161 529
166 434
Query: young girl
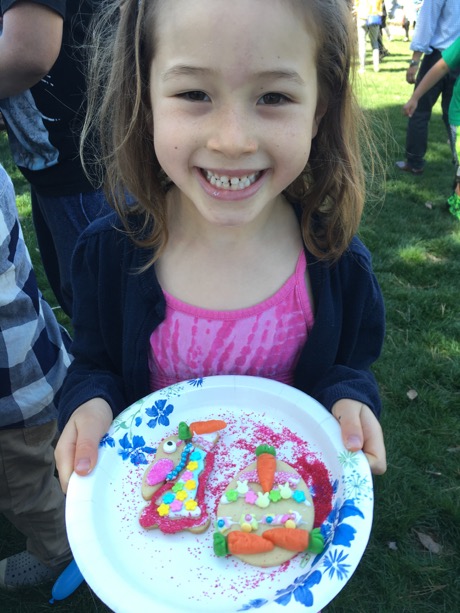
234 128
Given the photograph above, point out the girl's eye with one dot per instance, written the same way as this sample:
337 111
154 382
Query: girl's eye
169 446
195 96
273 98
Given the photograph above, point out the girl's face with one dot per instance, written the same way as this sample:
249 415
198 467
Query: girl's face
233 89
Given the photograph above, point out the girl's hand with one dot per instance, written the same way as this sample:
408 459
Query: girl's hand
409 107
78 444
361 430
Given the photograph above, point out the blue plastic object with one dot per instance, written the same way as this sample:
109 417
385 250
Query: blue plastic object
67 582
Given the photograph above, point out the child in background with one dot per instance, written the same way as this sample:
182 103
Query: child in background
234 127
450 61
369 19
33 363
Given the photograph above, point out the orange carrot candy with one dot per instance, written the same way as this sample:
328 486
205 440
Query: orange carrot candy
266 466
296 539
239 542
207 426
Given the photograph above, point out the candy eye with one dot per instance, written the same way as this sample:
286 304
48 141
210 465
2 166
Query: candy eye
169 447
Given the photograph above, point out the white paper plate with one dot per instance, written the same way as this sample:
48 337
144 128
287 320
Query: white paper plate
134 570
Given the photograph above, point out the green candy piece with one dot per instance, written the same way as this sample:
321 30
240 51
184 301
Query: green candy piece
184 431
232 495
265 449
275 495
220 544
316 544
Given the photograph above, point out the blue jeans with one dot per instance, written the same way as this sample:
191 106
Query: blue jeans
59 221
417 127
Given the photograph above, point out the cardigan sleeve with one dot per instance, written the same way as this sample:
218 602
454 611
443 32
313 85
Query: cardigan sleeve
348 333
96 371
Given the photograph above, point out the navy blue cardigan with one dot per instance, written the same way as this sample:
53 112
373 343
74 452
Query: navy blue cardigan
116 308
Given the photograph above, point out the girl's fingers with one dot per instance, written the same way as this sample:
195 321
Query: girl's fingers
348 415
78 445
374 446
64 454
361 430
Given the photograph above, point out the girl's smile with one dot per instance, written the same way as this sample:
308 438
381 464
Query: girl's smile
234 105
230 185
234 182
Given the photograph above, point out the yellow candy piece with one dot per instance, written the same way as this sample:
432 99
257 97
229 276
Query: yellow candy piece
245 527
182 495
190 505
163 509
192 465
290 524
190 484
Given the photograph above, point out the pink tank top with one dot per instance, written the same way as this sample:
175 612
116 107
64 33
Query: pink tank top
264 340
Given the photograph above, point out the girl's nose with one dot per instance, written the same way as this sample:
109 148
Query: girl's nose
232 134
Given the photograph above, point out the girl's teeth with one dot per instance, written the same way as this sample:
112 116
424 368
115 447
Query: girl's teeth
232 183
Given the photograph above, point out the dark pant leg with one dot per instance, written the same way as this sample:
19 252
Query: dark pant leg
406 25
59 221
374 36
417 127
380 41
447 92
46 247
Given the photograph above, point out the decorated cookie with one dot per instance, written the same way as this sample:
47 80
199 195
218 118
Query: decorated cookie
266 514
175 481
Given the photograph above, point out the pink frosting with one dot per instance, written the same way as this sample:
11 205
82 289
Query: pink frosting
159 471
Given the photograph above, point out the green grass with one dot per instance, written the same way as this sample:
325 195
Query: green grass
416 251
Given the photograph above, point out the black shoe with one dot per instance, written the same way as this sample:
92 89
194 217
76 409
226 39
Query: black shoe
406 167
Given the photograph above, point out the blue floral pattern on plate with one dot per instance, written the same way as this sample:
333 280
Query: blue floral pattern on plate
132 447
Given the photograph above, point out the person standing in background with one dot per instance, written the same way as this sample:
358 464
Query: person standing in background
383 51
410 10
450 61
369 19
43 91
438 26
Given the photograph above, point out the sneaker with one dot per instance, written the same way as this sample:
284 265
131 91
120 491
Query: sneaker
24 570
454 205
406 167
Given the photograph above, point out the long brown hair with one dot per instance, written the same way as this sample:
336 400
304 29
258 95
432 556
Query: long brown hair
117 129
